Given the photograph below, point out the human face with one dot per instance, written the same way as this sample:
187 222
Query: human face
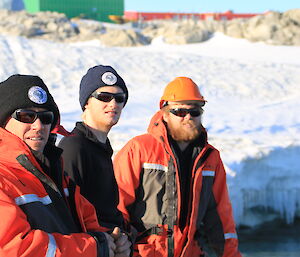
103 115
35 134
185 128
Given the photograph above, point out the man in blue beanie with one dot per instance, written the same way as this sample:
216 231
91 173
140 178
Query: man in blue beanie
87 152
42 211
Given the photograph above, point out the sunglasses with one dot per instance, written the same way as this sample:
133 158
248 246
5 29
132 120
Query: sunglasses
30 116
181 112
107 97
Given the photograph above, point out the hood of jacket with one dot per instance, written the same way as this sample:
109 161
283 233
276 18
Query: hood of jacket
81 129
157 126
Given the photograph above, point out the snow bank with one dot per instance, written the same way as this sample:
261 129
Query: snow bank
267 186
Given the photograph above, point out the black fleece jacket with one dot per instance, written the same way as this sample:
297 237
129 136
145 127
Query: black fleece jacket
88 162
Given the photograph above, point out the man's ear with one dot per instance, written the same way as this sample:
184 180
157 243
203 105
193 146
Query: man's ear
5 123
87 103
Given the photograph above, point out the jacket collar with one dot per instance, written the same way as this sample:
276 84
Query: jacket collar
11 147
84 131
158 129
157 126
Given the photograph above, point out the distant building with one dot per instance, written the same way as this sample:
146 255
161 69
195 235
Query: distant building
15 5
90 9
229 15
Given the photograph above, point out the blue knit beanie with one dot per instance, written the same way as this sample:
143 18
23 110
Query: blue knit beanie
99 76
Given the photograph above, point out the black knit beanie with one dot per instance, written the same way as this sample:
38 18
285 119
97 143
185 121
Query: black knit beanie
25 91
99 76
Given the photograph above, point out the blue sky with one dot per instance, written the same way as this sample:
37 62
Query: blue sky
238 6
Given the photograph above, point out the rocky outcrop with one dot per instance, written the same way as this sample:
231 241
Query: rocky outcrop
47 25
273 28
185 32
121 37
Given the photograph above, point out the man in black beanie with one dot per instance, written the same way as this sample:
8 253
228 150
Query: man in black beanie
87 152
42 212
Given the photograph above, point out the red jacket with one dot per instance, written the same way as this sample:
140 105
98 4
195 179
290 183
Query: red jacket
143 168
30 224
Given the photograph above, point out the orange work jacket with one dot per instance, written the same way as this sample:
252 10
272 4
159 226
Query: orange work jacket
150 199
30 224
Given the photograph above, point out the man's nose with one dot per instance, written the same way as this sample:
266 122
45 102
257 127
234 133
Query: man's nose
188 117
37 124
113 102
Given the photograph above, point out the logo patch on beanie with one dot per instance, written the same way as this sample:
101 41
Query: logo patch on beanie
37 95
109 78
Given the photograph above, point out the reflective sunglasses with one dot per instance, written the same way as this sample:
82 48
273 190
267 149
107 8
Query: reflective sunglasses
107 97
182 112
30 116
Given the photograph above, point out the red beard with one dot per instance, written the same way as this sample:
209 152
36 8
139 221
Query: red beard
180 133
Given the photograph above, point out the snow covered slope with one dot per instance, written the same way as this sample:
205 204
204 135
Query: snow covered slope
252 114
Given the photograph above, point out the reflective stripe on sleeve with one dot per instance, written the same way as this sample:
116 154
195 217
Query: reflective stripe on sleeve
30 198
230 235
51 246
208 173
66 190
154 166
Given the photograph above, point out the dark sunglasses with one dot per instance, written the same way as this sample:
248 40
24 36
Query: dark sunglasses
181 112
30 116
107 97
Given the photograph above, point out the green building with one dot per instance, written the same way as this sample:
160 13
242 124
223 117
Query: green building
90 9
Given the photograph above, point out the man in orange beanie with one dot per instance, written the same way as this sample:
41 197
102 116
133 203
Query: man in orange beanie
172 183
